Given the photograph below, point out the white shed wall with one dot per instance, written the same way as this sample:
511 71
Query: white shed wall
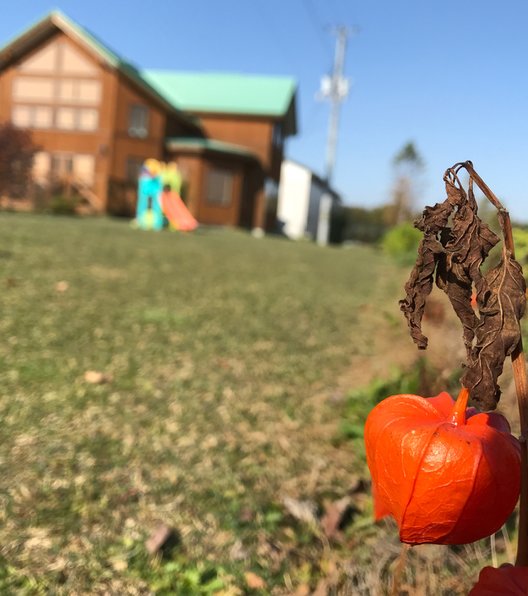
294 196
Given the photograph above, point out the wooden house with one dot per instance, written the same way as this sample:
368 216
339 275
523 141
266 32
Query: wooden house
95 118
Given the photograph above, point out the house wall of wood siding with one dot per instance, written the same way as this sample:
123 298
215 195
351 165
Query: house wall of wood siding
126 146
215 214
196 170
98 142
256 134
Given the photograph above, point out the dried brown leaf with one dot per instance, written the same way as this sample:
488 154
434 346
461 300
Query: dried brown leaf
322 588
455 252
304 511
162 536
62 286
501 300
302 590
335 513
456 242
96 377
254 581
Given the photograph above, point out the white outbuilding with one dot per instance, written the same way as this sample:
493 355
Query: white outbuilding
306 204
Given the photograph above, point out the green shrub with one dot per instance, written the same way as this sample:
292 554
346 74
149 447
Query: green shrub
63 205
421 378
401 242
520 239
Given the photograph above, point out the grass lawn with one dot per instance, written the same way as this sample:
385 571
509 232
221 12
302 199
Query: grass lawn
226 356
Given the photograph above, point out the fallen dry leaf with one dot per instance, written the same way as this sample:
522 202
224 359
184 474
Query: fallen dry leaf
161 536
334 515
304 511
62 286
254 581
247 515
322 588
120 564
302 590
357 485
96 377
238 552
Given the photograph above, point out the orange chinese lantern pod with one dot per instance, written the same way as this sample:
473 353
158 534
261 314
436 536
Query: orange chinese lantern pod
447 474
507 580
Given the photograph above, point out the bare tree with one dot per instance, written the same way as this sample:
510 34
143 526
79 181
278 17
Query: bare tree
408 165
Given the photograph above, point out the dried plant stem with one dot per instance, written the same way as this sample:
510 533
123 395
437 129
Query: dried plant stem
398 572
519 374
521 386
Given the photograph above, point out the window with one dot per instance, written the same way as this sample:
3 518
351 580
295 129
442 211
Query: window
33 89
138 121
86 120
42 117
22 116
84 168
220 186
61 165
133 168
89 92
79 167
65 118
41 167
32 116
79 91
277 137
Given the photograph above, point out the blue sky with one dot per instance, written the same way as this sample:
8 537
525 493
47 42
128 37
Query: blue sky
450 75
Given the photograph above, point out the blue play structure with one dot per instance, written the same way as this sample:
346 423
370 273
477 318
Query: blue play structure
149 213
159 199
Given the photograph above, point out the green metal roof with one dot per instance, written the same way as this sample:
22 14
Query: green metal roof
226 93
202 144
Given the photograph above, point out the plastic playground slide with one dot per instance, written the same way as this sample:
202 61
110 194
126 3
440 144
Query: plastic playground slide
176 212
159 188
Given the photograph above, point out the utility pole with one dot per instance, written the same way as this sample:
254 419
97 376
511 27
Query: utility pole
335 89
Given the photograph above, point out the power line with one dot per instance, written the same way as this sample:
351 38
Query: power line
341 15
276 34
317 26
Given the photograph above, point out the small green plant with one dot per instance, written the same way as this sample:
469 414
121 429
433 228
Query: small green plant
176 578
421 378
64 205
401 242
520 238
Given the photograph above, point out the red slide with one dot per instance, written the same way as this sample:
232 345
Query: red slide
176 212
